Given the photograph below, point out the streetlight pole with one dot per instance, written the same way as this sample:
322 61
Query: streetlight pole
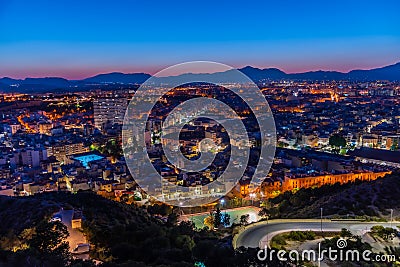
252 195
391 217
321 220
180 208
222 201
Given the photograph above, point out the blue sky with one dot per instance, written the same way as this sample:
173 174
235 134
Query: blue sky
76 39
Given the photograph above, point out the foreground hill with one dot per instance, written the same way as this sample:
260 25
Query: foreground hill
368 199
119 234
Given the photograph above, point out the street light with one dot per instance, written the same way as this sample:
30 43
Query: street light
222 201
252 196
391 217
321 220
180 208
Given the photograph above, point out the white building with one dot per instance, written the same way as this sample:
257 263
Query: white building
109 109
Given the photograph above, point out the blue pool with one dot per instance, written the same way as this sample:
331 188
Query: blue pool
85 159
198 219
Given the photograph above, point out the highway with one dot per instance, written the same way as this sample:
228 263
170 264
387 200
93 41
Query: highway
259 234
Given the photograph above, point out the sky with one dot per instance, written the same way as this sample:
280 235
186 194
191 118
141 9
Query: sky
77 39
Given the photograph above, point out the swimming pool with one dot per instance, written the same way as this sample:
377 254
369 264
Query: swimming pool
85 159
198 219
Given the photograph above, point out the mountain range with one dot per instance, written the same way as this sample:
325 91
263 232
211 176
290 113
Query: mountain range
49 84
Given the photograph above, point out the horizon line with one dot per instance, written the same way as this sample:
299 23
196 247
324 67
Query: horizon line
151 73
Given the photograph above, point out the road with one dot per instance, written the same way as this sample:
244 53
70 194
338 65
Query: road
259 234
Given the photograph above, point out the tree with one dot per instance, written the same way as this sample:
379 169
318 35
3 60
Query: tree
186 228
227 220
113 149
217 218
244 219
385 233
337 141
346 233
377 229
48 241
395 145
209 221
160 209
184 242
264 212
172 219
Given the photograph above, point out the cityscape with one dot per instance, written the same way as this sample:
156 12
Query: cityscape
172 160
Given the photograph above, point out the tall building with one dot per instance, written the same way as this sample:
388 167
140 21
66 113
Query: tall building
110 109
62 151
32 156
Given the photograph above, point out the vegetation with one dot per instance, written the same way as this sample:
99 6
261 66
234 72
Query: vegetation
264 213
244 219
112 149
209 221
216 219
119 234
42 245
279 241
337 141
301 235
159 209
47 242
368 200
385 233
346 233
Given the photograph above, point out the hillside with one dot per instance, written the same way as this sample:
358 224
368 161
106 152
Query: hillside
368 199
120 235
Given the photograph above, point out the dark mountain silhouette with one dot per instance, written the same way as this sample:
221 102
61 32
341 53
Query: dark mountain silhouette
30 85
4 87
118 77
229 76
9 81
50 81
260 74
391 73
48 84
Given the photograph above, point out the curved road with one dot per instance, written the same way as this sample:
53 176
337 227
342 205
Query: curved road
255 235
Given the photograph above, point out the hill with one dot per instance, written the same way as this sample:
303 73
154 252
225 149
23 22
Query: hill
360 199
119 234
118 77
